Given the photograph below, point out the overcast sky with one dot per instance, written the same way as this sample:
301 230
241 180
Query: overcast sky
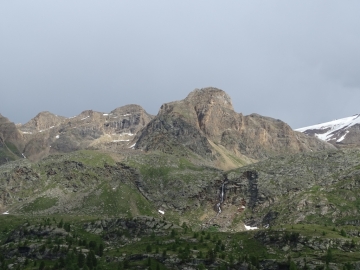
298 61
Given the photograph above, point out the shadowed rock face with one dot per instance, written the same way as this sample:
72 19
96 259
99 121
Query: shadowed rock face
167 133
8 130
208 115
11 141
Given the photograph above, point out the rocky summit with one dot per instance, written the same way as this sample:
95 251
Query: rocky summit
48 133
198 186
206 124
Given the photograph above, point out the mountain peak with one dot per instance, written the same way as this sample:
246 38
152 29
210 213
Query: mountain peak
128 110
206 123
210 95
343 130
42 121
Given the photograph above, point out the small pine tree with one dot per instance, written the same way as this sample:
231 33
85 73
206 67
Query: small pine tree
61 223
42 265
61 262
91 260
328 257
352 244
120 266
81 260
211 255
292 266
231 259
67 227
101 250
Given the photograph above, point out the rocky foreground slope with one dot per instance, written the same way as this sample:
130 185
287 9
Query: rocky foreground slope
310 188
304 204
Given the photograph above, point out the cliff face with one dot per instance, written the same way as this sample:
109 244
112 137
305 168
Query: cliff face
129 118
206 117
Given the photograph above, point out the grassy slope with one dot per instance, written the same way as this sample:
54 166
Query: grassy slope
8 152
92 192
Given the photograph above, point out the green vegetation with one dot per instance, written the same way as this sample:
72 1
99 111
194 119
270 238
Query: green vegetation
93 158
78 243
121 200
40 204
84 210
8 152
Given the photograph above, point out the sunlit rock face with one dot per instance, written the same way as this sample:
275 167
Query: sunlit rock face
207 116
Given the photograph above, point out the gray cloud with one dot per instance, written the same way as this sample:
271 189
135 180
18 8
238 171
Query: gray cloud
295 61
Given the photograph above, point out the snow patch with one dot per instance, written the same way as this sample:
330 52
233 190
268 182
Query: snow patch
129 134
85 117
332 127
26 132
249 228
105 114
161 212
46 129
120 140
57 136
127 114
343 136
23 155
132 145
6 213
